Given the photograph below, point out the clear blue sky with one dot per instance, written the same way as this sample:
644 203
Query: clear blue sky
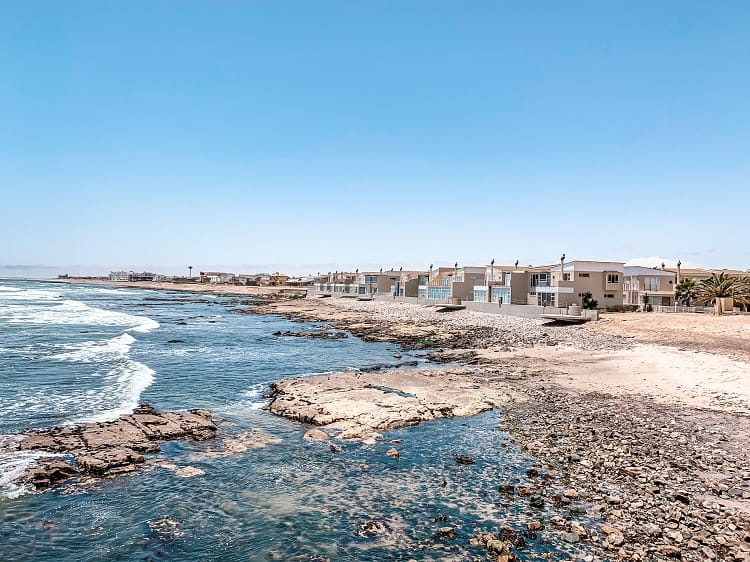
373 133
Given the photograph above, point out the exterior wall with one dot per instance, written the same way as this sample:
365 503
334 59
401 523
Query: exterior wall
411 288
519 287
522 310
119 275
580 277
463 290
646 285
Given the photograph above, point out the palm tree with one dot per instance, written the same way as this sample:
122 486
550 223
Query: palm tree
685 292
717 287
742 293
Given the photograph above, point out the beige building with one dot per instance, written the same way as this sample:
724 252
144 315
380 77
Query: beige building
645 285
446 283
511 284
568 282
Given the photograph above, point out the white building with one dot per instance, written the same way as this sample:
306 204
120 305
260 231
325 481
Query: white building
120 275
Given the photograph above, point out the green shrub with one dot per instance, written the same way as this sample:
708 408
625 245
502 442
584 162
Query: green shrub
588 302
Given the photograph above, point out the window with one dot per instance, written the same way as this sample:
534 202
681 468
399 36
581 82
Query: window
606 296
538 280
584 275
613 278
545 299
651 283
501 294
566 276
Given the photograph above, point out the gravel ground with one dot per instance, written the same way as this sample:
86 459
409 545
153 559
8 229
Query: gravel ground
670 482
481 329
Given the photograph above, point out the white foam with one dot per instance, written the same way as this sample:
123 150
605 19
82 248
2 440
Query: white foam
116 384
130 380
96 351
71 312
11 293
145 326
250 399
14 464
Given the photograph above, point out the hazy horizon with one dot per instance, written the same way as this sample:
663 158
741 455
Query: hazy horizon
52 271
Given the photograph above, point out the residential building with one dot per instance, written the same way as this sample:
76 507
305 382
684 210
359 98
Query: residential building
216 277
336 282
504 284
120 275
300 281
645 285
570 281
455 282
131 276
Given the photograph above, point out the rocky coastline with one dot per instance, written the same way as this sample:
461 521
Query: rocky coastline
361 405
668 481
106 449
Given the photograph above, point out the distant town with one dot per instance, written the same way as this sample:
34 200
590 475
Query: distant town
516 289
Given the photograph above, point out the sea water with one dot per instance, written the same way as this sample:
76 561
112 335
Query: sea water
81 353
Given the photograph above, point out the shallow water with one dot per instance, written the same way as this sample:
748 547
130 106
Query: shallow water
71 353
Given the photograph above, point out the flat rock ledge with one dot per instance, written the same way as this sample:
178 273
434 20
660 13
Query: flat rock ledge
357 405
108 448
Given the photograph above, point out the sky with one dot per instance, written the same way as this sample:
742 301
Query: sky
307 136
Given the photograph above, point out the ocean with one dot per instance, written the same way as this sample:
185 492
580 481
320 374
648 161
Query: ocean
79 353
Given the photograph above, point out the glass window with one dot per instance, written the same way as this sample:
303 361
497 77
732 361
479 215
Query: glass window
613 278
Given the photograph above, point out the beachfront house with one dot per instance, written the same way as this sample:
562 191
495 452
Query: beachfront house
645 285
300 281
335 282
570 281
408 283
511 284
119 275
446 283
216 277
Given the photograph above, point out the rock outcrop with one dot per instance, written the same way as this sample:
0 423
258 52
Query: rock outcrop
359 405
314 335
109 448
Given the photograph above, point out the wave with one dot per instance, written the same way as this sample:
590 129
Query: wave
14 464
72 312
96 351
251 399
115 384
130 380
12 293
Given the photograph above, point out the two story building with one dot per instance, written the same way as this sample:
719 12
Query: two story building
569 281
446 283
645 285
